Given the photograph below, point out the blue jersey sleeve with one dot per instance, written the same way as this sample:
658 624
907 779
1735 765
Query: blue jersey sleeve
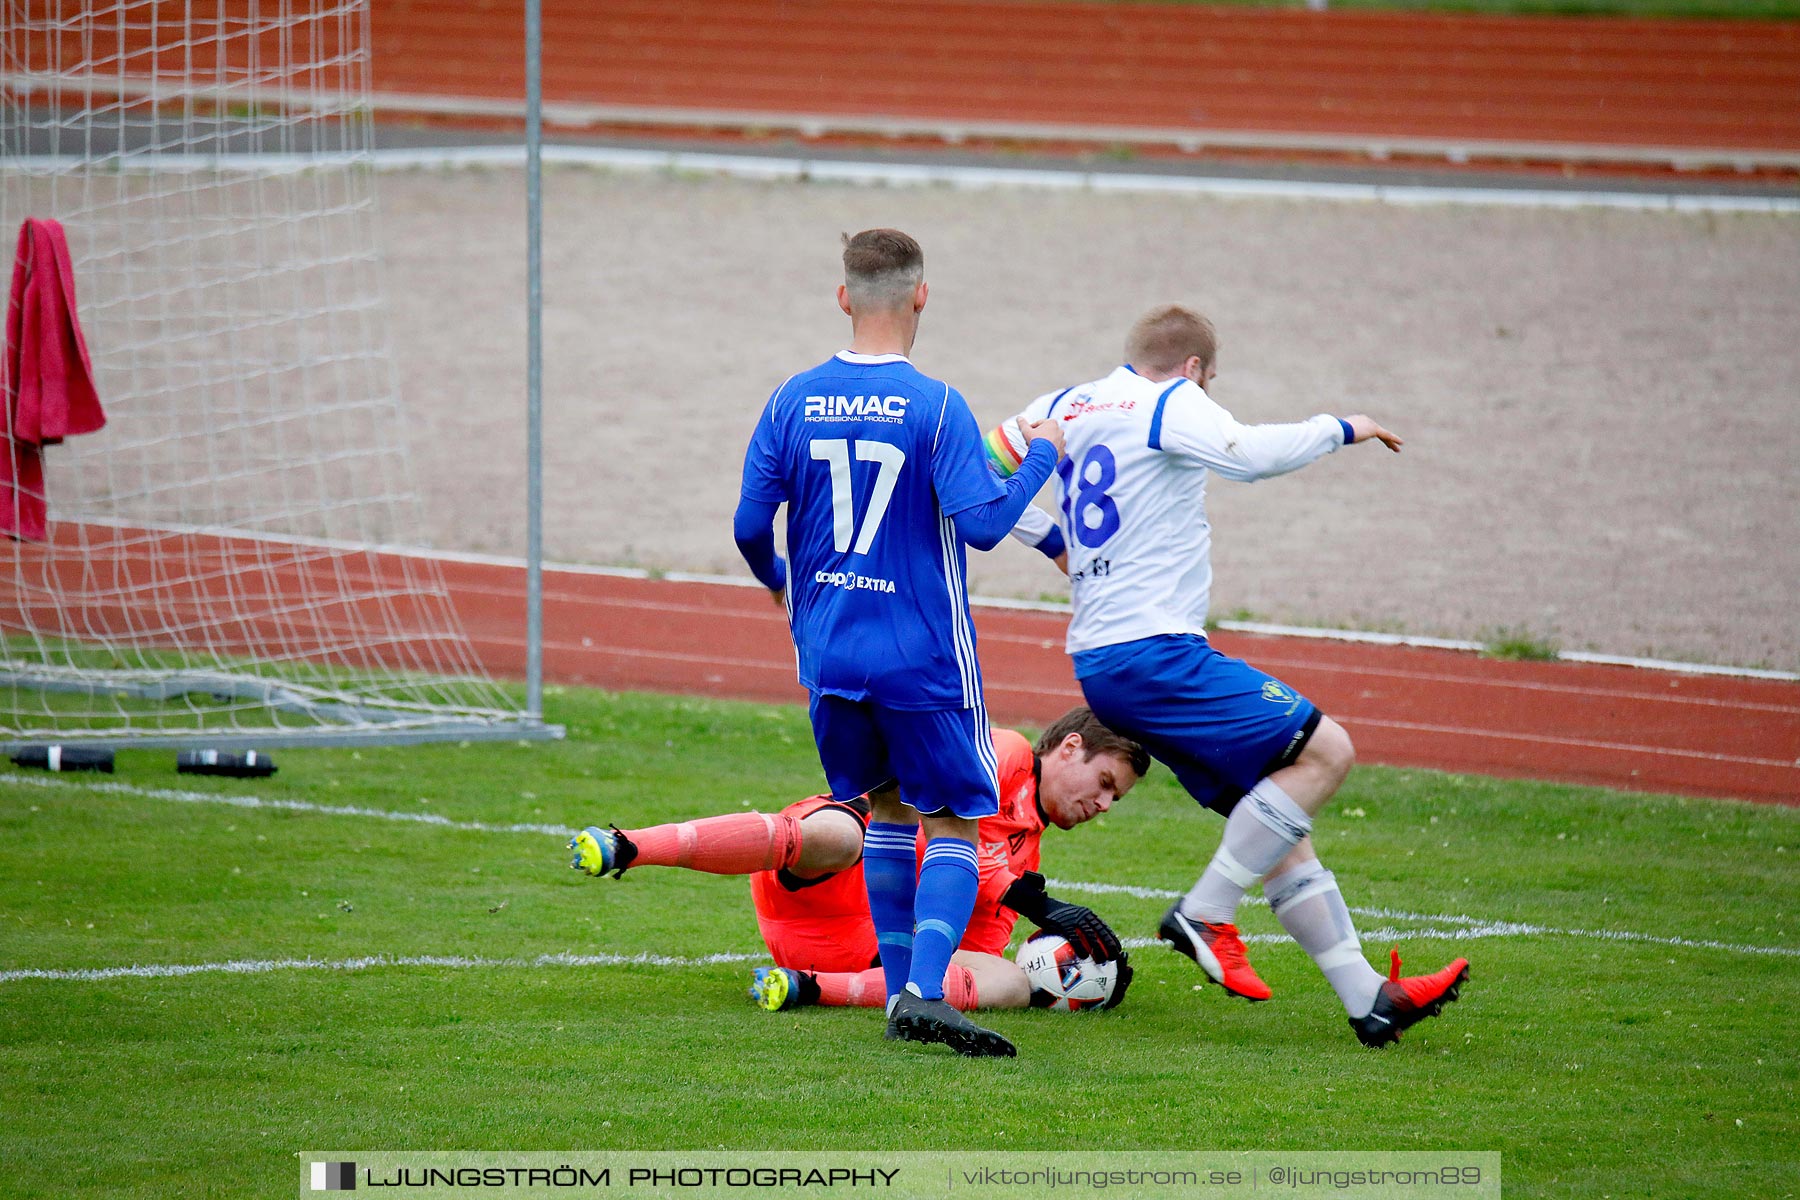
983 525
753 527
959 466
764 476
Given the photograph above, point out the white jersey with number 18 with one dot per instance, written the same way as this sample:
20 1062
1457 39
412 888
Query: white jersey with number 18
1132 496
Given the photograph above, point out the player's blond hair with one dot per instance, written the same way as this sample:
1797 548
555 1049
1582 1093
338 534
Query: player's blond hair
1165 338
882 267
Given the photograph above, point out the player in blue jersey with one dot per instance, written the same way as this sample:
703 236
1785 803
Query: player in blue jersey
1141 444
885 478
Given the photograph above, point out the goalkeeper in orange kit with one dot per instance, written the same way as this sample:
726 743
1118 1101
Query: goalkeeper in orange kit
806 873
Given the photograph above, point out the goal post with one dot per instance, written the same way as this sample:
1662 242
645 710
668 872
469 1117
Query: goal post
221 566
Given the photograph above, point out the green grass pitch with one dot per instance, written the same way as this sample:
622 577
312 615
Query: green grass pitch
1624 1067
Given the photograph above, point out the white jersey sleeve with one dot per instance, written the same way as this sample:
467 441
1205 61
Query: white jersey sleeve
1034 526
1196 427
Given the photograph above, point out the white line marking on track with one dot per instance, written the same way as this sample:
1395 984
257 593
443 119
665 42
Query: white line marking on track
1440 926
1059 606
1531 685
1580 743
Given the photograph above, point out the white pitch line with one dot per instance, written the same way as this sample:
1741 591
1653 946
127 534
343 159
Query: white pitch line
335 810
1469 932
1114 889
1462 928
259 966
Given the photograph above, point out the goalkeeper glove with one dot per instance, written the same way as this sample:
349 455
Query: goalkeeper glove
1120 984
1081 927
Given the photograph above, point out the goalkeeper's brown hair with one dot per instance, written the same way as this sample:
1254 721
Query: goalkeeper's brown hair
1096 738
882 267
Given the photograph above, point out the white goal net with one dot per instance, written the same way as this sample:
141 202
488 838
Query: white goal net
216 567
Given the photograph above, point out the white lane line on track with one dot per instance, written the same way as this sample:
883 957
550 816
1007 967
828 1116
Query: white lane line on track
758 615
995 684
1059 607
1578 743
1532 685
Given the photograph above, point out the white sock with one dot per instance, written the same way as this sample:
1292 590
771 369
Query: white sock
1309 906
1264 826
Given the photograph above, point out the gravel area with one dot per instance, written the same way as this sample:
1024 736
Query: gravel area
1600 406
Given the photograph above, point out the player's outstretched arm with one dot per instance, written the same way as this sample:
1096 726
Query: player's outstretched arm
1363 427
1197 427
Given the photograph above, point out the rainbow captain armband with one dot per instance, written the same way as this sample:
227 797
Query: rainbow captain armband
1000 453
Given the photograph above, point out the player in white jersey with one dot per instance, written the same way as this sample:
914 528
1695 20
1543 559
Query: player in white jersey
1132 489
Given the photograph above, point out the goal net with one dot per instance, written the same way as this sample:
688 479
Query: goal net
219 567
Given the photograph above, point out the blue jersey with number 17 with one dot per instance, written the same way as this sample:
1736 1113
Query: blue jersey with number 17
871 458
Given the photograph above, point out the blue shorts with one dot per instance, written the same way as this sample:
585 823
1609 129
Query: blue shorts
1217 722
942 758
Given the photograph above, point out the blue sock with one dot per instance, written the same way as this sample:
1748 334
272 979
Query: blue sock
891 874
948 881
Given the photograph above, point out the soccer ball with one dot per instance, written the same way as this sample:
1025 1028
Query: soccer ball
1063 980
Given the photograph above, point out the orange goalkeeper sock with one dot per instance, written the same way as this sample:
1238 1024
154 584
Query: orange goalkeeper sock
868 989
959 989
737 844
852 989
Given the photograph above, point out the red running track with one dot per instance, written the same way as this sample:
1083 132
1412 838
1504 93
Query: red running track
1618 727
1577 80
357 608
1562 80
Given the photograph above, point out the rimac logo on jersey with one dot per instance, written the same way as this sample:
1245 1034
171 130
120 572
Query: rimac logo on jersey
891 409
